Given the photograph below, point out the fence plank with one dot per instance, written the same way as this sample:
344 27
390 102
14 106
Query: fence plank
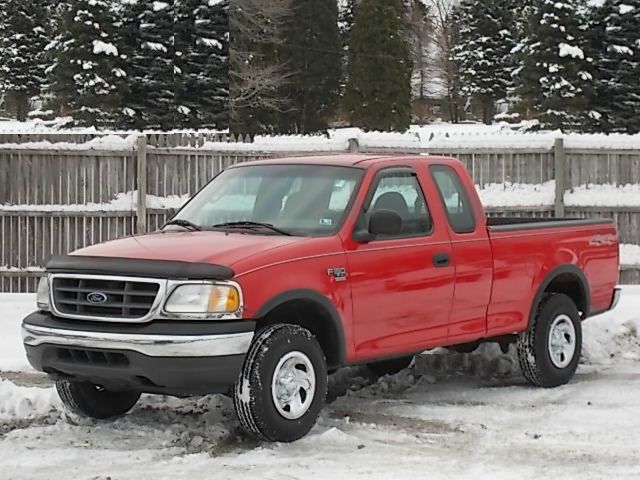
141 175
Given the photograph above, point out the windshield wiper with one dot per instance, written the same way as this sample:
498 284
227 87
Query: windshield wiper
184 223
252 225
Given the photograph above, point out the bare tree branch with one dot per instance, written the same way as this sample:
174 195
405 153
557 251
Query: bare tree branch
256 76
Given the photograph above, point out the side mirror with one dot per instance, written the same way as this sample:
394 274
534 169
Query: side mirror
171 212
382 222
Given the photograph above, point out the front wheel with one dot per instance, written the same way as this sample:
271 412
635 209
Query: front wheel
549 351
88 400
283 384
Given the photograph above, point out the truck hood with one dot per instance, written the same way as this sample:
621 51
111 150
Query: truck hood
206 247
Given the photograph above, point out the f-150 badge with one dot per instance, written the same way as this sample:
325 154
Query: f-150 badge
339 274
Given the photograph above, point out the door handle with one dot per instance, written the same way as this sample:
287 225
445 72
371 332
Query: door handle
441 260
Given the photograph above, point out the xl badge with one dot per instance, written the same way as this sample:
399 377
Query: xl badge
339 274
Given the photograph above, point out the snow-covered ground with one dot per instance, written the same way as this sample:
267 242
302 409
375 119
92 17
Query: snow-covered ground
451 416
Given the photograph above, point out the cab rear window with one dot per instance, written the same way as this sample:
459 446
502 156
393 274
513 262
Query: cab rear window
454 198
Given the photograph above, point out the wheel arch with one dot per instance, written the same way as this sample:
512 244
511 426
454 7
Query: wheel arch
314 311
569 280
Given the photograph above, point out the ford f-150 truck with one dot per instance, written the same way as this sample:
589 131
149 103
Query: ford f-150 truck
280 271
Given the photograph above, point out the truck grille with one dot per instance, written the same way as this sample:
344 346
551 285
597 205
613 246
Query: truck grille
104 298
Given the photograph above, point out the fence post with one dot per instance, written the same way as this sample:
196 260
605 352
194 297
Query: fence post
141 151
561 178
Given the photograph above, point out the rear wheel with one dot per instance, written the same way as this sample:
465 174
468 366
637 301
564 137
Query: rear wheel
390 367
283 384
549 351
92 401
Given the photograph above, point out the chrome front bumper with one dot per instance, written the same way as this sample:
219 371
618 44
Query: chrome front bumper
150 345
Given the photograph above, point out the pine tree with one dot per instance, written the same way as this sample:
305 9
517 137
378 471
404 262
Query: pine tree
554 74
23 62
346 20
378 94
202 63
147 39
85 75
486 39
616 103
313 53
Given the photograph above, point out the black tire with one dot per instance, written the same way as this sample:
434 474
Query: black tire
91 401
253 400
534 354
390 367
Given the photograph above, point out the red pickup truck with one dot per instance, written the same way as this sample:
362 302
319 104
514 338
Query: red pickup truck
278 272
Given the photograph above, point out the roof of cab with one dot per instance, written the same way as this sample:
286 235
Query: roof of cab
342 160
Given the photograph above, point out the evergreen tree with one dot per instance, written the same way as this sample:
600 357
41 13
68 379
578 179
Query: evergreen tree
616 103
346 19
23 40
554 75
147 39
378 94
202 63
55 12
312 50
85 75
483 52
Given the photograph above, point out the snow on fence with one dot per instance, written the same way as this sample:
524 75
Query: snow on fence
62 192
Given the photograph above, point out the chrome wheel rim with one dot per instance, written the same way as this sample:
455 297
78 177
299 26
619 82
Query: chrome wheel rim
562 341
293 385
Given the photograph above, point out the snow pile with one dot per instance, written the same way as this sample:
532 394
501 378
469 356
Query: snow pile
434 138
15 306
603 195
615 335
409 140
534 195
489 141
107 142
123 202
5 268
25 402
517 194
630 254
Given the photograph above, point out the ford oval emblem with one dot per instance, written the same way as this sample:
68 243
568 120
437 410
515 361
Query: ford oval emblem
97 297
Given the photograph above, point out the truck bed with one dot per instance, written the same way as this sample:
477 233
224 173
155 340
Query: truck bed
526 250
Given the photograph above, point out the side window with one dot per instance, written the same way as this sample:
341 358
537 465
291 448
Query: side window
400 192
454 198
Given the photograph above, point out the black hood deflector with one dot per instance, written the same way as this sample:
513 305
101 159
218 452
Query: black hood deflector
132 267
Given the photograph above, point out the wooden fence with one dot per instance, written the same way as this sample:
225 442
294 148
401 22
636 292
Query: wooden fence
56 200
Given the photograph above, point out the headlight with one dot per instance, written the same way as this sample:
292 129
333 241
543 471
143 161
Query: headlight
203 299
42 297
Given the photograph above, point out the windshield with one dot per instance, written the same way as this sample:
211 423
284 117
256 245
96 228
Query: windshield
304 200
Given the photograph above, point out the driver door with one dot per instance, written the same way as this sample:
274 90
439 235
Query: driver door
402 285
